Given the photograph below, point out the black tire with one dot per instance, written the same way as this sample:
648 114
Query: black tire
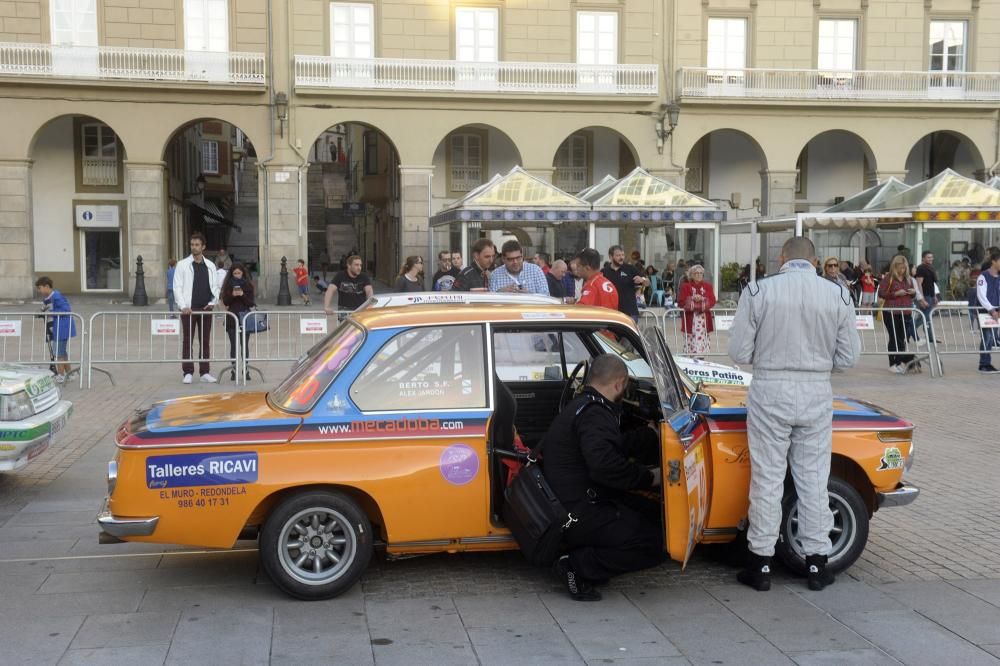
849 536
328 523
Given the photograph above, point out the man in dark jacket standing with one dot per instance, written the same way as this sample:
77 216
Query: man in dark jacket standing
591 465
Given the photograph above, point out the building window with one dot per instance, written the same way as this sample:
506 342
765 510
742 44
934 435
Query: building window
99 155
206 25
352 33
73 22
837 46
466 162
948 46
597 38
572 170
371 153
476 34
727 48
210 157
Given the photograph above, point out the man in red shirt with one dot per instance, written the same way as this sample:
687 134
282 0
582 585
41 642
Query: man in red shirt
597 289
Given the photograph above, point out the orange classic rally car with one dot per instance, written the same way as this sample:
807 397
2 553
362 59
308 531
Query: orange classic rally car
396 431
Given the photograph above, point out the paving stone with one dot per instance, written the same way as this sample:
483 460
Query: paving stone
335 631
19 550
239 635
36 639
915 640
117 656
117 630
506 611
142 579
63 605
11 583
214 597
613 628
848 596
409 631
870 657
54 518
540 645
787 620
703 629
959 611
69 564
987 590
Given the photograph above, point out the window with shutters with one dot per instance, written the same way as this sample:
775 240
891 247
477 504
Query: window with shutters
572 163
352 33
99 155
477 34
210 157
467 163
727 50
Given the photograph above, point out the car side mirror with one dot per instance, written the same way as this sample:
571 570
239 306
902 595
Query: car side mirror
701 404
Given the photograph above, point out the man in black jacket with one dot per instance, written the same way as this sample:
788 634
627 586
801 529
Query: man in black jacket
591 465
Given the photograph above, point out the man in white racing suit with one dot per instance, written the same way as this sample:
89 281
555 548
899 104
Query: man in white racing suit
794 327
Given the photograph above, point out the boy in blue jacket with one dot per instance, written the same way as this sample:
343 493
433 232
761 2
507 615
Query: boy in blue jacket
62 328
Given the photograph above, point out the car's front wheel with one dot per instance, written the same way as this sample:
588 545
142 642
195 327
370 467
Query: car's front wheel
315 545
848 536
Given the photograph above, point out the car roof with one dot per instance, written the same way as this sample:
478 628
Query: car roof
475 313
462 297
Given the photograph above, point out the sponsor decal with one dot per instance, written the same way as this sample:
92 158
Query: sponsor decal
10 329
165 327
312 326
891 459
737 455
734 377
459 464
864 322
439 298
987 321
724 322
39 385
545 315
201 469
402 426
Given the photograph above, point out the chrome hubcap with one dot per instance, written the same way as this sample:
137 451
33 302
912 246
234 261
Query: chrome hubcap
316 546
842 535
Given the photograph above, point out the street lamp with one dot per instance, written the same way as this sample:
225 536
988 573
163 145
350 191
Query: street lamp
665 123
281 110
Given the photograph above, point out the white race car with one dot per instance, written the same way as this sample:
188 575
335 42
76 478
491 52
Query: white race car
31 413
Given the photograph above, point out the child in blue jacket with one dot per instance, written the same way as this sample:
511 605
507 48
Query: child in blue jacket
61 328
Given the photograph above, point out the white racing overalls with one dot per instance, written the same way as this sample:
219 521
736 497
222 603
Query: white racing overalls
794 327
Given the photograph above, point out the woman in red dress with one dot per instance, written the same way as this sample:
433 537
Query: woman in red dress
697 298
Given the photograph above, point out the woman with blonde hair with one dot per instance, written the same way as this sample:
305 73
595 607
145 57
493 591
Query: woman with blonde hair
697 298
410 275
897 291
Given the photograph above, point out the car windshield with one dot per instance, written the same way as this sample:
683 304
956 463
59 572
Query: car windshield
637 365
314 374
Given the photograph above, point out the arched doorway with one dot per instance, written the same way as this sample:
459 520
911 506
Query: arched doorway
79 205
942 150
353 200
464 159
211 169
832 166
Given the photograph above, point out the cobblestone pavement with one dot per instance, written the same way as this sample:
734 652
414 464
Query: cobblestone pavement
927 589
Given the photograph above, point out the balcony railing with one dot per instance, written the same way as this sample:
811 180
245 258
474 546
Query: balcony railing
100 171
452 75
466 178
810 84
127 63
571 179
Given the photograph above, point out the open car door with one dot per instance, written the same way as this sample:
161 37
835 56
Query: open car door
683 442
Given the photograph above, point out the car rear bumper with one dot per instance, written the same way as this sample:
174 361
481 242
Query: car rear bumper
118 527
901 496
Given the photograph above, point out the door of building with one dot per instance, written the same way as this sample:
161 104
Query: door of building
74 37
206 39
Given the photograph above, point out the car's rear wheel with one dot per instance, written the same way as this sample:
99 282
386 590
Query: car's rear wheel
315 545
848 536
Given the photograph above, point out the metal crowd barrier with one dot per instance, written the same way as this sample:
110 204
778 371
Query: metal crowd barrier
962 329
286 334
117 338
24 339
679 341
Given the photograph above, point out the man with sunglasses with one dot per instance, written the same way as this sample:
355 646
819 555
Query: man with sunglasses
516 276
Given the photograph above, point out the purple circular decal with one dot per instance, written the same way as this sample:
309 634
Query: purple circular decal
459 464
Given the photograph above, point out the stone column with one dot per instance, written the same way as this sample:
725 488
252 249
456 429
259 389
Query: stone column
416 207
281 188
147 220
16 252
779 200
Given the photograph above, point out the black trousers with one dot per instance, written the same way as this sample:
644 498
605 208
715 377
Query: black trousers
198 323
895 328
615 536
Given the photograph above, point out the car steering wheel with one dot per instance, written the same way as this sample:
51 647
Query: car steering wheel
569 391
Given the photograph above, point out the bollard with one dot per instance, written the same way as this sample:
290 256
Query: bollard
139 296
284 296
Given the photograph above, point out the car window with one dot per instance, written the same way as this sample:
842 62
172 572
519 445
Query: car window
662 369
434 367
622 347
315 372
531 356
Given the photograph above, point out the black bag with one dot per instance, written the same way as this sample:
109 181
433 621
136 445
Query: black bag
535 515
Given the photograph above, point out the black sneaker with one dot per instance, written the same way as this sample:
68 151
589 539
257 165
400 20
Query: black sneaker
988 369
579 588
757 573
819 575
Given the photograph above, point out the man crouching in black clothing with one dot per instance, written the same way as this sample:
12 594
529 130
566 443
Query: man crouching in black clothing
591 465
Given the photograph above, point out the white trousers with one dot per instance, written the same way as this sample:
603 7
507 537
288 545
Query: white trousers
790 423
